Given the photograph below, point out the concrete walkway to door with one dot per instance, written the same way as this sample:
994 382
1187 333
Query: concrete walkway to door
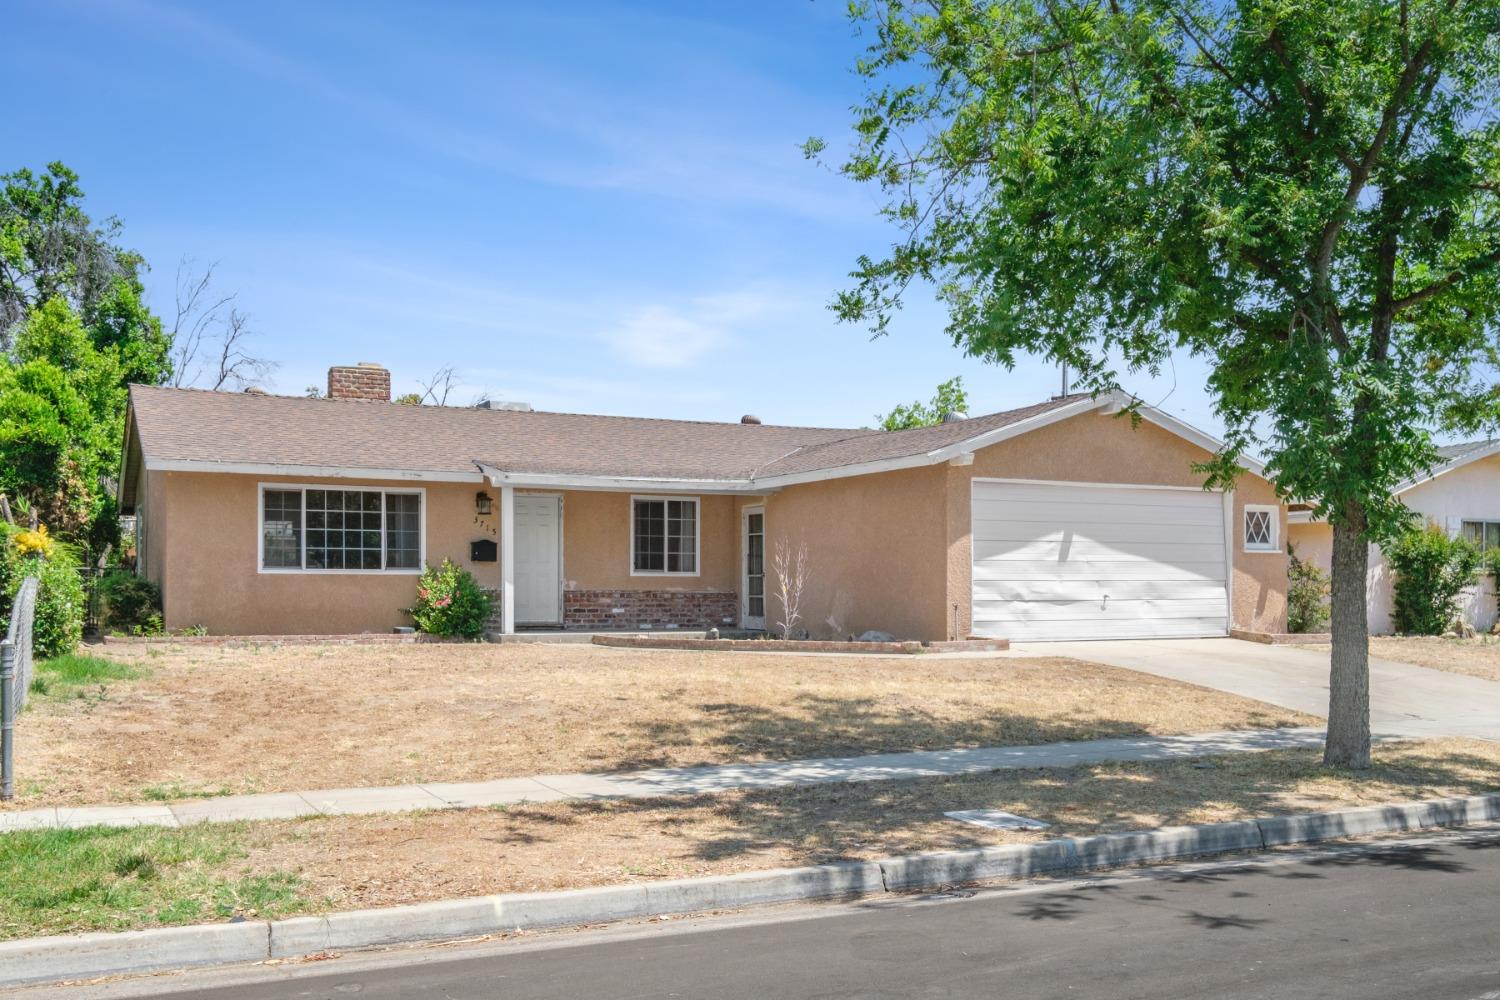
1405 700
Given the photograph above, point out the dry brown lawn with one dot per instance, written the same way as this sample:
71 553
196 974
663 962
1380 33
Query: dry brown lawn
1477 657
217 720
385 860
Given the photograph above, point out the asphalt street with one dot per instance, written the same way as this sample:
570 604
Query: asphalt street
1416 919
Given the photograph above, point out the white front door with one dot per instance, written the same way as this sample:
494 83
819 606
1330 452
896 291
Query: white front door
1077 561
538 559
753 568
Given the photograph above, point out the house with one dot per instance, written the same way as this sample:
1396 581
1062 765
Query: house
271 514
1461 495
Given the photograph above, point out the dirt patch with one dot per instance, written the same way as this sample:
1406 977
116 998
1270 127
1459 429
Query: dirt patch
219 720
387 860
1477 657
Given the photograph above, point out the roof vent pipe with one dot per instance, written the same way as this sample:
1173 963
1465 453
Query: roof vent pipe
749 418
952 417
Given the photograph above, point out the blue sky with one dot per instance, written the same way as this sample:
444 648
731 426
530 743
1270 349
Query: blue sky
598 207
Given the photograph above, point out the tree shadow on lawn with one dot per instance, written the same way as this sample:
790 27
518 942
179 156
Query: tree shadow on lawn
815 824
821 726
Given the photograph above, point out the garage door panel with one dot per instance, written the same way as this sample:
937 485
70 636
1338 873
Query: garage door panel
1083 513
1082 631
1059 561
1088 550
1090 610
1058 530
1000 569
1000 591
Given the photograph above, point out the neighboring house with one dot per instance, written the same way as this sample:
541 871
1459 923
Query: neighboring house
1063 520
1462 496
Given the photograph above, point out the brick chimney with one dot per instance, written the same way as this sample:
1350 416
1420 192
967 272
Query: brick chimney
366 380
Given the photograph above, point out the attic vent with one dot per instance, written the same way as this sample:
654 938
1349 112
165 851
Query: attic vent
953 417
497 404
749 418
255 390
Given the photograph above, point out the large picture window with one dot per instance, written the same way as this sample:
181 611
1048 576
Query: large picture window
664 536
314 528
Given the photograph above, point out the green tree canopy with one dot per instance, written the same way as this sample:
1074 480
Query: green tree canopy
49 248
950 398
1303 194
61 405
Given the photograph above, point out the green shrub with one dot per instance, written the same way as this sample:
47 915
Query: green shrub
1306 595
58 626
1431 570
130 601
450 602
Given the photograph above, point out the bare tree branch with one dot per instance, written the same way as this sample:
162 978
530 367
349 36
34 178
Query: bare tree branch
236 368
437 389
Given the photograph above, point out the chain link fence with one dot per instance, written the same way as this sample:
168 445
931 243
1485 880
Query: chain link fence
15 679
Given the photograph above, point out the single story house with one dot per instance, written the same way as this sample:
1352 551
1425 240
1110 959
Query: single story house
271 514
1461 495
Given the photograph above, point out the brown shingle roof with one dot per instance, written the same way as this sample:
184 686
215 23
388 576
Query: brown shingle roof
901 444
176 425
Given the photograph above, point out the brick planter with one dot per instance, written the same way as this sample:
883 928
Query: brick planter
588 610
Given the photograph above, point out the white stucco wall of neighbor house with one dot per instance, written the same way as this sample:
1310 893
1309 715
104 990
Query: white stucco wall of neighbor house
1468 493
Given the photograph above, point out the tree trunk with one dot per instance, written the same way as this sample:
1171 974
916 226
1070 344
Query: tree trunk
1349 667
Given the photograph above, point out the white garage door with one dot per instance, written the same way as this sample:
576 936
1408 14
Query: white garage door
1062 561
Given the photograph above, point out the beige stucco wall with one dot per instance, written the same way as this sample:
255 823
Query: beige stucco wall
201 547
596 544
875 552
206 525
1313 542
1103 448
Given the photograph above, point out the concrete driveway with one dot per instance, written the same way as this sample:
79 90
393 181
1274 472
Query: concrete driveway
1405 700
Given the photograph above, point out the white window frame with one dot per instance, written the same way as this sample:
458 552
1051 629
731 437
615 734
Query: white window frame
260 528
1483 522
1274 519
697 535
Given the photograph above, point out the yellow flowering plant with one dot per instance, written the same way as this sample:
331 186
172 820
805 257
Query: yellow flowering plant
33 542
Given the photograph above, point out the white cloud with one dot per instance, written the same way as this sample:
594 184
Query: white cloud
659 337
677 336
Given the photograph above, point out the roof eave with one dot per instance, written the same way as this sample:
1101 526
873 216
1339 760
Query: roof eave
319 471
580 481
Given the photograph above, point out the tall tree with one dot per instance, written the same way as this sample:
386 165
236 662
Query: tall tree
61 401
74 330
49 248
949 399
1304 194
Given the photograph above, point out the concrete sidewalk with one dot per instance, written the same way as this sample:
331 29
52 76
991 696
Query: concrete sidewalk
1406 700
659 782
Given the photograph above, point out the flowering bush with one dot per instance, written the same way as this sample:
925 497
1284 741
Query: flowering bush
58 625
33 542
450 602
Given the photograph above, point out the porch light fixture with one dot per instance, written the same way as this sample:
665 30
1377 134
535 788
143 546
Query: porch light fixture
484 503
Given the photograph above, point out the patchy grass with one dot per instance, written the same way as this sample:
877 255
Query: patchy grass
267 718
1477 657
55 881
77 675
175 791
77 880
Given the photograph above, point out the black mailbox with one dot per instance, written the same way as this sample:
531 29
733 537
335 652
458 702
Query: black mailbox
483 550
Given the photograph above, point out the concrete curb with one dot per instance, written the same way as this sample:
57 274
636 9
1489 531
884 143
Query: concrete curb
87 955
